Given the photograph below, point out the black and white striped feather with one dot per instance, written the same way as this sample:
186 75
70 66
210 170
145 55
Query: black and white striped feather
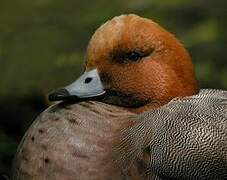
186 139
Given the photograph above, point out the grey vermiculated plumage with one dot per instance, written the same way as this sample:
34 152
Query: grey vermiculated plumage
186 138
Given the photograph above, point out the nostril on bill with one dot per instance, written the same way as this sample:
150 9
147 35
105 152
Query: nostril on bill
87 80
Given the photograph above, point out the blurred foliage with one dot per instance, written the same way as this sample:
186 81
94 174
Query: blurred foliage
43 45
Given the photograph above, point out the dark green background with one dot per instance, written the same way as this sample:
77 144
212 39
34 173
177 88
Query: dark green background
43 44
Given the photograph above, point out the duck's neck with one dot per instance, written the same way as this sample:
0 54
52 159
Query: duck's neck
155 104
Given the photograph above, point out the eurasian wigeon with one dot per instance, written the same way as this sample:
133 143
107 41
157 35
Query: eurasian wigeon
136 66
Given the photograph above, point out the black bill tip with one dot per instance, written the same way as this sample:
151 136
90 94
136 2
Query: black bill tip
59 95
64 95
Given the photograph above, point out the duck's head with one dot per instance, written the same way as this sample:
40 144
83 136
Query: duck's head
134 63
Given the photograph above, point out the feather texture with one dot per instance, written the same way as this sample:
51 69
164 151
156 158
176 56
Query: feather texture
185 139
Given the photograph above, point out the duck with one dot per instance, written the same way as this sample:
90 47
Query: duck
141 79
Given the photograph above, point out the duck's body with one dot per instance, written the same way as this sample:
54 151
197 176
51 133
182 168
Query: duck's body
135 64
187 138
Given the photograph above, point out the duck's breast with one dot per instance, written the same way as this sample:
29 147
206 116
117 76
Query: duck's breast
71 141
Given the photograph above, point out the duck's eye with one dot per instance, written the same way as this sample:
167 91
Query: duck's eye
129 56
133 56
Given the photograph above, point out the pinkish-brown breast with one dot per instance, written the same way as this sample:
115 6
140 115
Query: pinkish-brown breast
70 142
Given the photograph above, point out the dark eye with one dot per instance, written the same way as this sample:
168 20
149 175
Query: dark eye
129 56
133 56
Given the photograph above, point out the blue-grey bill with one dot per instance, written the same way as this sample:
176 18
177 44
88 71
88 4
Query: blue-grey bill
87 86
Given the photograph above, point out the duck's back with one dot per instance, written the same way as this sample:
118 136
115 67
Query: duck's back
187 137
